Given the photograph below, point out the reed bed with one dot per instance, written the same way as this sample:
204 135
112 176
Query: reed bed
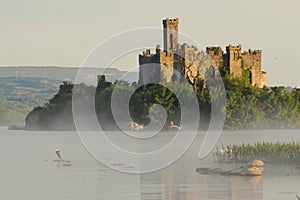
260 150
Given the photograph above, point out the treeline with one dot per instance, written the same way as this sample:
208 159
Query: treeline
54 115
247 107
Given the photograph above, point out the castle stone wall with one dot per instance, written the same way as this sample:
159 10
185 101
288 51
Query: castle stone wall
149 68
193 64
216 54
263 79
166 65
252 61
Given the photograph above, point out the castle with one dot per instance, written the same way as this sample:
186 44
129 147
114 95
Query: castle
177 61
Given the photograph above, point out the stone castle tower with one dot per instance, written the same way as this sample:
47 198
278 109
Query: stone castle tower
161 64
233 59
176 59
170 34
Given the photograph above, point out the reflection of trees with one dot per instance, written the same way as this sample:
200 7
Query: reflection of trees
179 182
250 187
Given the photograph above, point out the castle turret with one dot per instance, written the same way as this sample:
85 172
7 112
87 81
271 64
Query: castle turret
234 60
170 34
149 67
252 60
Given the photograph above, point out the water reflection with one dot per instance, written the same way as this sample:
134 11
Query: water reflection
24 167
177 185
181 182
246 188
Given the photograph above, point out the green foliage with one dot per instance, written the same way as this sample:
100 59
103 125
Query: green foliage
57 114
247 152
224 71
216 50
18 96
247 106
251 107
145 97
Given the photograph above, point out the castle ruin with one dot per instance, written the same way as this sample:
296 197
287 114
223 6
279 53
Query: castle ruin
176 61
235 60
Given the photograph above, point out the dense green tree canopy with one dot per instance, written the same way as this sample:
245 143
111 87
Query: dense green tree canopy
247 106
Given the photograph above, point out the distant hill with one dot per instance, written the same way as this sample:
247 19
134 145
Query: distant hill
64 73
18 95
23 88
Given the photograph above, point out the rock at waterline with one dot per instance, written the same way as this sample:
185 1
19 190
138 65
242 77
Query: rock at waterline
251 171
257 163
242 171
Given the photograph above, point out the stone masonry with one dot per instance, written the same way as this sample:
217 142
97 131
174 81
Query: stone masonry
178 61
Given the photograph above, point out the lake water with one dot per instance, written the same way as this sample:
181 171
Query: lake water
28 172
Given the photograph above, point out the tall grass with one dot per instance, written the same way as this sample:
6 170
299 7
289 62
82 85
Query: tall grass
264 150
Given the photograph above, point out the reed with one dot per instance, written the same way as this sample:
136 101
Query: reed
260 150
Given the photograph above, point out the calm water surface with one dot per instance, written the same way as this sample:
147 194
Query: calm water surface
27 171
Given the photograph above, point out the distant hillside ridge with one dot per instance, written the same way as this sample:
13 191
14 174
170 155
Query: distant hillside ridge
65 73
19 95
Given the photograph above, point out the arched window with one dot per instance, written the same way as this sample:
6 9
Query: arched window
171 41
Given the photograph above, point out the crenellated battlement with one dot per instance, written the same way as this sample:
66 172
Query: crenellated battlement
148 57
187 59
188 51
167 54
147 53
234 48
216 54
173 22
252 52
187 47
214 50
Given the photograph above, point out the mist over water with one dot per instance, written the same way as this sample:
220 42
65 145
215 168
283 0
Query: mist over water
28 171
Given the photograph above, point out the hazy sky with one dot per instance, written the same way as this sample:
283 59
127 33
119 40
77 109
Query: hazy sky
63 32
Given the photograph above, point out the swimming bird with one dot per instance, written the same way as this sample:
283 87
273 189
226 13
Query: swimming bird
58 153
174 126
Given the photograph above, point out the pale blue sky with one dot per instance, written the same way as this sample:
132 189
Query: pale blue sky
63 32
